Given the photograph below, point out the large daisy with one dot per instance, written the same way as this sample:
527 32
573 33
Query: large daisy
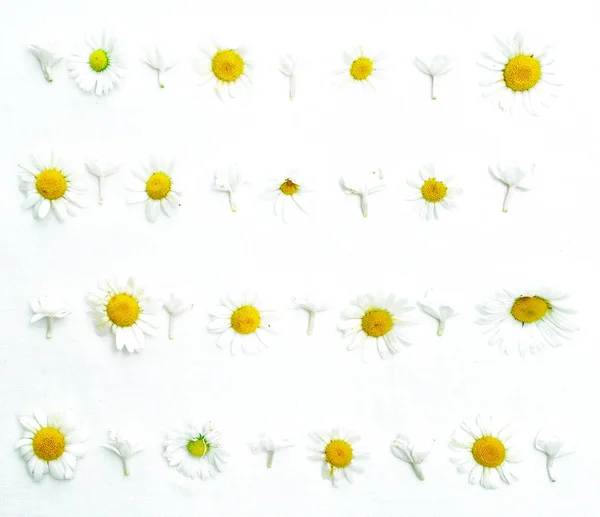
433 193
291 193
126 311
228 68
361 68
485 452
529 320
51 443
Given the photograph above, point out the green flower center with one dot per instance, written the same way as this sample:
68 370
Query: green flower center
99 60
198 447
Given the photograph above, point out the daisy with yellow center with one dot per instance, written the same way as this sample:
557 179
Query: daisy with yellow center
518 74
154 186
529 320
292 195
339 455
196 451
126 311
227 68
361 68
375 323
51 443
485 452
433 193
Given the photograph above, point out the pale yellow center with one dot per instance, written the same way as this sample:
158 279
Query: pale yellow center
227 65
288 187
338 453
529 309
377 322
123 310
158 186
489 451
48 444
361 68
51 184
245 320
433 190
198 447
99 60
522 73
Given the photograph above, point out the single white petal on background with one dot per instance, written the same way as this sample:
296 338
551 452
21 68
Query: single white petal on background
175 307
439 66
229 180
553 447
287 66
47 57
157 59
363 186
311 306
124 447
101 169
269 445
432 305
513 176
48 308
414 454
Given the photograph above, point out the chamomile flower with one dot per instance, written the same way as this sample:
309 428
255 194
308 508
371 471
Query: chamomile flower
433 193
97 66
229 180
287 66
242 322
485 452
519 74
46 185
154 185
228 68
513 176
48 308
101 170
375 321
528 320
126 311
196 451
156 59
270 445
123 447
47 57
438 67
362 186
339 455
361 68
291 193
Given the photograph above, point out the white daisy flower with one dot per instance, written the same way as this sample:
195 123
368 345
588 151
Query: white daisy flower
433 193
51 443
47 57
175 307
229 180
97 66
529 320
517 73
437 309
414 454
154 186
553 447
101 170
270 445
242 322
438 67
228 68
49 308
311 306
514 177
339 455
196 452
485 452
291 192
362 186
361 68
376 321
154 58
46 185
287 66
122 447
126 311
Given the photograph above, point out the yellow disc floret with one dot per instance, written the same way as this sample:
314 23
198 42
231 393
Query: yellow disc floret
529 309
245 320
99 60
227 65
433 190
158 186
377 322
288 187
522 73
48 444
198 447
51 184
123 310
489 451
338 453
361 68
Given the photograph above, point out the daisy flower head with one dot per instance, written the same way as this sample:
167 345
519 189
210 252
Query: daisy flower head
362 186
227 68
513 176
47 57
47 184
156 59
98 65
154 185
196 451
529 320
48 308
439 66
361 67
126 311
123 447
51 443
291 193
518 74
433 193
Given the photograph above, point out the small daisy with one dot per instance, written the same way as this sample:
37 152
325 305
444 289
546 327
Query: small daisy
154 186
438 67
228 68
123 447
485 452
376 321
196 452
287 66
47 58
126 311
175 307
46 185
553 447
270 445
433 193
518 74
51 443
414 454
311 306
101 170
362 186
98 65
154 58
242 322
514 177
529 320
361 68
337 452
290 192
229 180
45 307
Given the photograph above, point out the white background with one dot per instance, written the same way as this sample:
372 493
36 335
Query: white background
548 238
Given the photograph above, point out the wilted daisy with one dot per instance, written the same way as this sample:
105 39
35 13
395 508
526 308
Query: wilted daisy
528 320
229 180
269 445
47 57
291 193
49 308
413 453
485 452
97 66
101 170
154 186
196 451
156 59
438 67
433 193
126 311
242 322
228 68
361 68
311 306
431 305
517 73
287 66
51 443
362 186
375 321
123 447
514 177
553 447
175 307
339 455
46 185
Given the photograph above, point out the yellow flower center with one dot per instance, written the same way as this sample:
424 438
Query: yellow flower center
434 190
377 322
158 185
227 65
361 68
338 453
99 60
288 187
123 310
489 451
245 320
51 184
48 444
522 73
198 447
529 309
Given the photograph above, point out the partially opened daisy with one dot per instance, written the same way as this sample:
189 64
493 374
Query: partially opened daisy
312 306
375 321
124 447
270 445
156 59
287 66
242 321
47 184
126 311
339 455
154 186
517 73
438 309
433 193
51 443
229 180
227 68
47 57
362 186
291 192
361 67
98 65
513 176
439 66
48 308
528 320
485 451
553 447
102 170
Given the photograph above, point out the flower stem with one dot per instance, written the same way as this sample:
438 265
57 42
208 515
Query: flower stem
433 88
100 190
49 322
171 318
364 205
125 468
160 78
507 196
311 322
441 327
232 201
549 464
292 86
418 471
270 456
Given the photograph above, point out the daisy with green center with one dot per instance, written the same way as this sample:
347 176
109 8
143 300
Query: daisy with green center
529 320
227 68
433 193
196 451
98 65
361 68
292 195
